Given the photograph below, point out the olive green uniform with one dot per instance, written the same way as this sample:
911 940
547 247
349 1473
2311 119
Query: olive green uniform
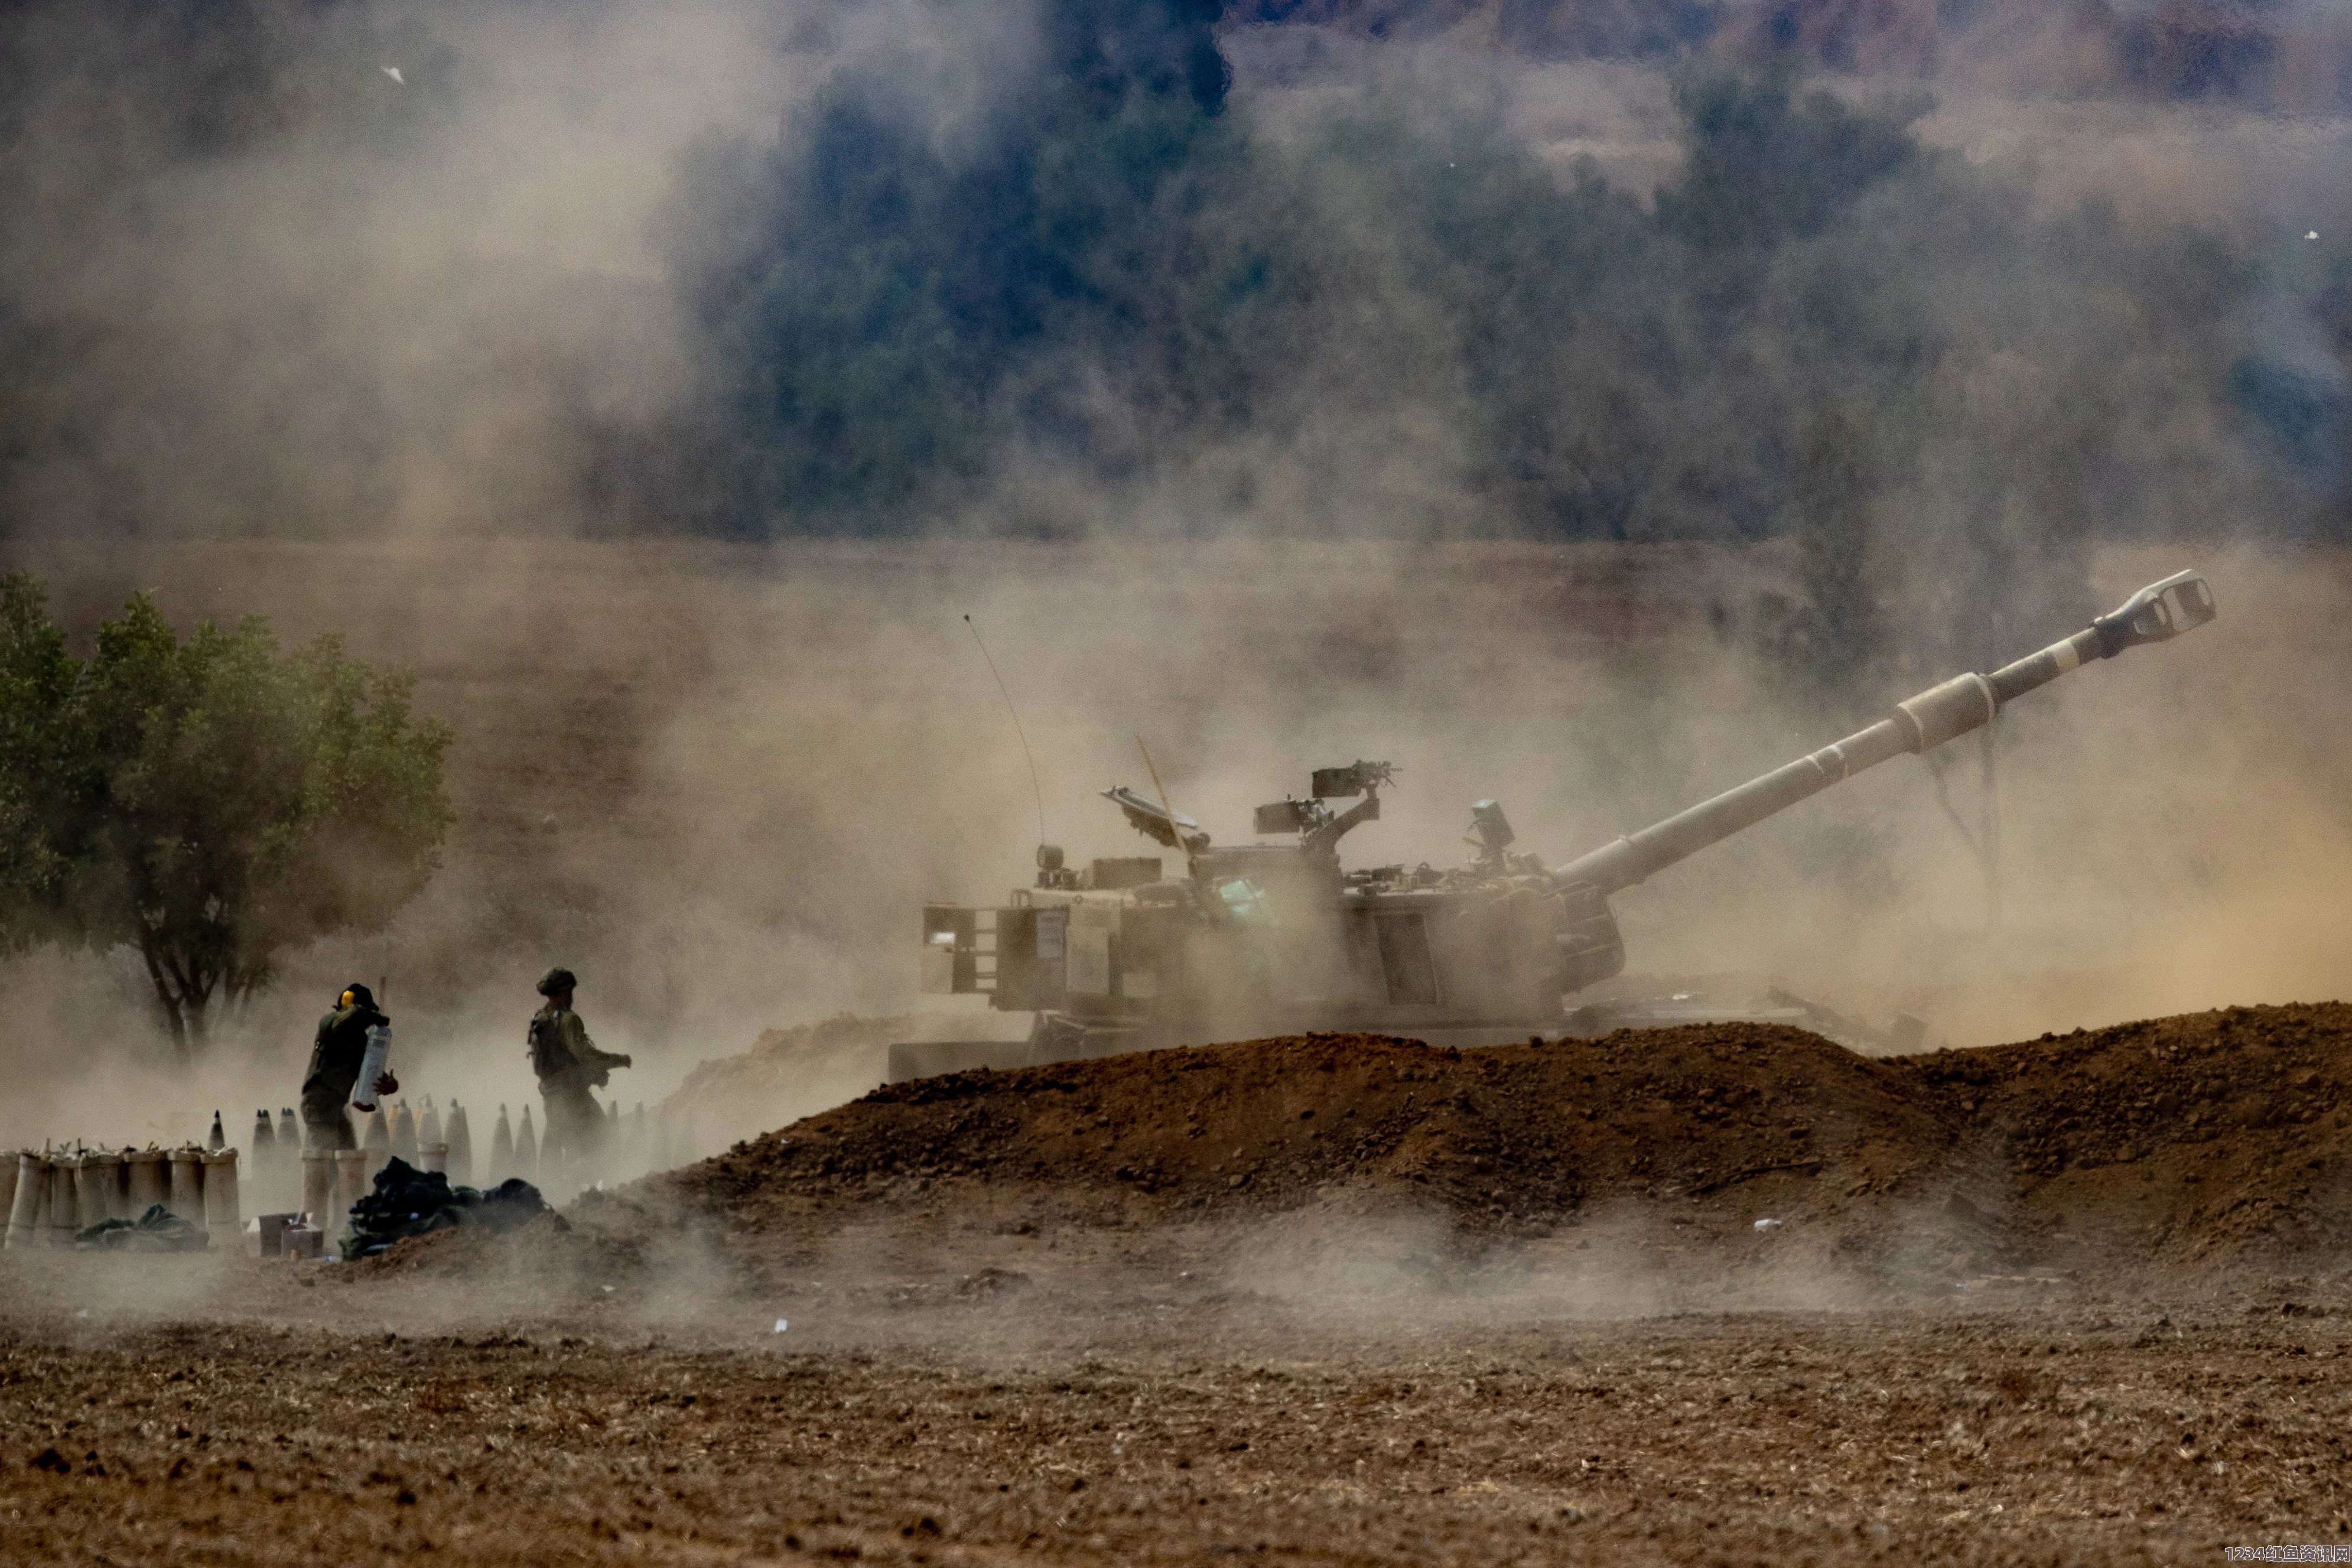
334 1073
569 1065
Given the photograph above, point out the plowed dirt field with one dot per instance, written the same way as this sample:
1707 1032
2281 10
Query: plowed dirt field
1325 1299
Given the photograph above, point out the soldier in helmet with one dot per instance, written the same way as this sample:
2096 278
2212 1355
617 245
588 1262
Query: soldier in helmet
569 1065
334 1071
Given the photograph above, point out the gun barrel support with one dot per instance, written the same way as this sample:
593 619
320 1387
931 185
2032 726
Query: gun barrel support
2157 611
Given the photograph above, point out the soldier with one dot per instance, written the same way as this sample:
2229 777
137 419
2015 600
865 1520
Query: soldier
569 1063
334 1072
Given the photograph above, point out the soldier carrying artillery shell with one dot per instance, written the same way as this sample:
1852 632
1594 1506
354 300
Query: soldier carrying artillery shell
337 1053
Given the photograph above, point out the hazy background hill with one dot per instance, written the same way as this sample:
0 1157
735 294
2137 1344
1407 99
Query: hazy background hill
924 266
2290 54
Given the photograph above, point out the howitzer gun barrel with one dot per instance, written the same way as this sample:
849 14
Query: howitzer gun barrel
2157 611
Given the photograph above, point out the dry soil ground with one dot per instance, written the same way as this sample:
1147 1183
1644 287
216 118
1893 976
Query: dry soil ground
2076 1300
1173 1428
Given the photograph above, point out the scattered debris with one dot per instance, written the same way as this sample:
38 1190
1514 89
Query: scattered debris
157 1230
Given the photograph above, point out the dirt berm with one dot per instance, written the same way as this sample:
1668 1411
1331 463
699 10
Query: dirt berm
2162 1140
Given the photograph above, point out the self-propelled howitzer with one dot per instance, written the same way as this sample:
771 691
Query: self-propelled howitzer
1277 938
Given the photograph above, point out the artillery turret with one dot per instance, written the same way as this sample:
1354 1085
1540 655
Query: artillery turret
1278 937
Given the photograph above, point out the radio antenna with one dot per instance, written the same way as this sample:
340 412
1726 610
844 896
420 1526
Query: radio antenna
1035 788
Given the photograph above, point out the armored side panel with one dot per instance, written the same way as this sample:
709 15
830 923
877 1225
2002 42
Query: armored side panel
1400 944
1017 956
1590 949
1149 956
1509 952
951 951
1120 871
1499 956
1093 928
1031 951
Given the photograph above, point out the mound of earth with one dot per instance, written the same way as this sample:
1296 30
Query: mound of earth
547 1250
2168 1138
1523 1134
2171 1136
788 1073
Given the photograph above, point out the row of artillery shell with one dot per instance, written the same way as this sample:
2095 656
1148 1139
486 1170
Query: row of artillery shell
51 1195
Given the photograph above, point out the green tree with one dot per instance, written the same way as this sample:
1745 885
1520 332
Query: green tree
1764 164
898 303
209 801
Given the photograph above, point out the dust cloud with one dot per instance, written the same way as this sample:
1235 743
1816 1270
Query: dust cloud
383 357
324 271
718 782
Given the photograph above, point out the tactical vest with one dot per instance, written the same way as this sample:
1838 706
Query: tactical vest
548 1056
